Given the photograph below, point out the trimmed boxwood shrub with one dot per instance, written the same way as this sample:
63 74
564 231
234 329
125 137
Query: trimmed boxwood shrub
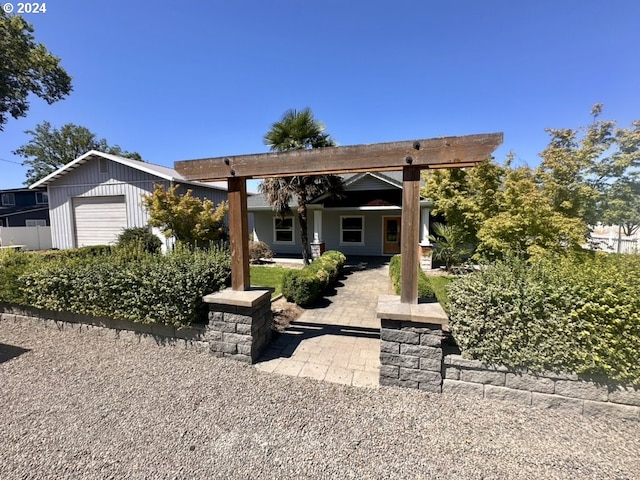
165 289
305 286
302 287
395 271
578 315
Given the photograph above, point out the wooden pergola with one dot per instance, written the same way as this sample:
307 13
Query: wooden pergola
409 156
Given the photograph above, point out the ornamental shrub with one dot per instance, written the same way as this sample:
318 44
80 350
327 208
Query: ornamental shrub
304 287
258 251
579 315
395 272
139 237
165 289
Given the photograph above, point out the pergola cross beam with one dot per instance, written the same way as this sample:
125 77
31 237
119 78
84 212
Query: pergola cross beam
444 152
409 156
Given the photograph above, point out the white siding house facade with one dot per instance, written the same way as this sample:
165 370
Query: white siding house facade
365 221
95 197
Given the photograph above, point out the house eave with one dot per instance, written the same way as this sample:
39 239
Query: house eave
141 166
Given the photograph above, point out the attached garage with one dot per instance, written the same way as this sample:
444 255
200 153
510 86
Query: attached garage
99 220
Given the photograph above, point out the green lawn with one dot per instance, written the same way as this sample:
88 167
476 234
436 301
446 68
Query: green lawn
438 284
268 277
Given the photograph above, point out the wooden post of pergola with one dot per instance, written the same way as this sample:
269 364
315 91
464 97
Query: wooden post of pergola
409 156
239 233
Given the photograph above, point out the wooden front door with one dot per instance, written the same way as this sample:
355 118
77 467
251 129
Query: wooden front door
391 232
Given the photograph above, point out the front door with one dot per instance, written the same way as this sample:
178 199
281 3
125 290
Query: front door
391 232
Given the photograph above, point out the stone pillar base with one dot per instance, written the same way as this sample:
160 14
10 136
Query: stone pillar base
317 249
411 344
426 257
239 323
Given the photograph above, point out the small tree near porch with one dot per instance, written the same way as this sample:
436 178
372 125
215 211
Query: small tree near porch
298 130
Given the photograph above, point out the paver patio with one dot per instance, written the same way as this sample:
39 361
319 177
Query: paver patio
339 340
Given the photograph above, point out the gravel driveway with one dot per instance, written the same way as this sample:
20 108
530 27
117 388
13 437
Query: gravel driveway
88 406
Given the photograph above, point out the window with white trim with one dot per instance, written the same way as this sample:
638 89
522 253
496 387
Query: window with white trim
8 199
352 230
42 197
35 222
283 230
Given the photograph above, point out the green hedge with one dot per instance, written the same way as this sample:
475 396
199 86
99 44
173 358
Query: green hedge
395 272
304 287
142 287
12 265
579 315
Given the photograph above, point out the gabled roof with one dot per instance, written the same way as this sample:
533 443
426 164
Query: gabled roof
165 173
394 179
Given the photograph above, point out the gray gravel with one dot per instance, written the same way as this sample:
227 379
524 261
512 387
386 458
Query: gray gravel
88 406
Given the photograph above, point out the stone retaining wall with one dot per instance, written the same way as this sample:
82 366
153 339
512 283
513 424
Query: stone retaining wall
567 392
194 337
234 331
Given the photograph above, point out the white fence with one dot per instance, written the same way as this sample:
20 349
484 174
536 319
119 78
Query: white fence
615 245
32 238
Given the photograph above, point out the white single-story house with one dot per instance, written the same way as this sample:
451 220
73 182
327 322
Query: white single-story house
365 221
96 196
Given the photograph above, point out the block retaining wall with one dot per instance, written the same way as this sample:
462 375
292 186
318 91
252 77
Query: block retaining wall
549 390
227 334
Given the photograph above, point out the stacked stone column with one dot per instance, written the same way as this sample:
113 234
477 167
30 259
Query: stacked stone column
239 323
410 347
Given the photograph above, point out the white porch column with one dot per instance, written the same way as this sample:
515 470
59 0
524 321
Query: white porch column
424 225
317 245
317 226
426 250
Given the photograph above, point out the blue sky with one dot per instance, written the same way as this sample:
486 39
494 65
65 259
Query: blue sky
196 78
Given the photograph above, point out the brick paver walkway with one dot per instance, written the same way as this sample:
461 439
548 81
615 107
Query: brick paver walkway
338 341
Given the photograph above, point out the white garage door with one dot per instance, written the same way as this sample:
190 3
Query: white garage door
99 220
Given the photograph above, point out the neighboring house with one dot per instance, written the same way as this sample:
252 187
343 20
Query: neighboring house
24 207
365 221
95 197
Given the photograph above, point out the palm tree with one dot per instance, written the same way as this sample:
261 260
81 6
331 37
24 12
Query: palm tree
298 130
450 245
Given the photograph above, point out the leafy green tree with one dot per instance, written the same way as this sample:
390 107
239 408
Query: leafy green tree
623 205
466 197
193 222
26 67
586 175
585 171
298 130
526 222
51 148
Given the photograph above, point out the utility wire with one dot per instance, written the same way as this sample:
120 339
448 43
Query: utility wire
10 161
